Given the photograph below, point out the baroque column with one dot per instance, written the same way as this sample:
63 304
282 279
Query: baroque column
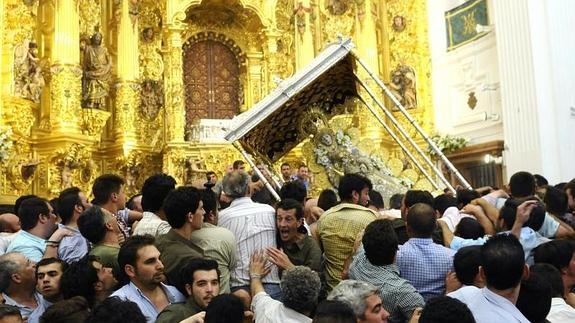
366 40
174 86
127 94
66 83
303 38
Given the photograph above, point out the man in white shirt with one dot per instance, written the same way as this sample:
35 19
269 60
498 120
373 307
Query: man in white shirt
503 268
300 288
254 227
154 191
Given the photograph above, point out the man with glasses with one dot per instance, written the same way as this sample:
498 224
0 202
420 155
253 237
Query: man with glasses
40 235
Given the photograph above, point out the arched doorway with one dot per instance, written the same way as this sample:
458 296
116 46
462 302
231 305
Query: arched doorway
211 81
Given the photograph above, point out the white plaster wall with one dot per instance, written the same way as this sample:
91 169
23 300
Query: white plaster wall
471 67
529 59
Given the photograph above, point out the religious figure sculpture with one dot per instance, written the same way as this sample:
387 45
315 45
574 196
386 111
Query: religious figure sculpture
337 7
97 66
152 99
29 79
336 152
403 86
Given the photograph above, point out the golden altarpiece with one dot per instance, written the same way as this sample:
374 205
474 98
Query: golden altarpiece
179 70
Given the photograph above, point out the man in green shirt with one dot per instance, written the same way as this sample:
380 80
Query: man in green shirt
101 228
201 280
297 248
185 214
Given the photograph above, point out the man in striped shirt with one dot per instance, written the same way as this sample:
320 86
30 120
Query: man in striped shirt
253 225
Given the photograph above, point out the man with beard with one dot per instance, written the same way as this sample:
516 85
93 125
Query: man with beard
139 260
48 274
38 238
201 280
339 227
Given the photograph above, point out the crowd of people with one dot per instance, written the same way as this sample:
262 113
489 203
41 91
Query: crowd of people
228 252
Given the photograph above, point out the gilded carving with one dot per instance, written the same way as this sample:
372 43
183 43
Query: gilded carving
152 99
131 167
337 7
19 23
403 86
89 12
21 115
127 99
65 90
66 164
93 122
28 77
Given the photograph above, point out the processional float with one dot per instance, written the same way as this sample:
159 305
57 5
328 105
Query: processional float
269 130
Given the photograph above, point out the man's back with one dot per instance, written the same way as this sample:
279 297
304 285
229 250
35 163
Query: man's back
425 265
175 250
399 297
338 229
253 225
151 224
488 307
218 244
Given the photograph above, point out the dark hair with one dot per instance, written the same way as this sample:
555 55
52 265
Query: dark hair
443 202
350 183
557 253
285 164
73 310
334 312
104 186
4 280
179 203
30 210
237 164
395 201
291 204
79 279
509 212
465 197
469 228
191 266
540 180
466 264
116 310
555 201
9 310
131 202
67 201
128 254
209 174
294 190
444 309
561 186
413 197
327 199
376 199
380 242
54 204
225 308
553 276
503 261
570 186
155 190
49 261
92 224
421 220
522 184
19 201
534 299
210 202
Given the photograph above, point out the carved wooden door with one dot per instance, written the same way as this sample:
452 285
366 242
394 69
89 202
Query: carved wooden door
211 81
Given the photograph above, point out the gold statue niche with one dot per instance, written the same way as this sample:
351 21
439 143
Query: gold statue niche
162 113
